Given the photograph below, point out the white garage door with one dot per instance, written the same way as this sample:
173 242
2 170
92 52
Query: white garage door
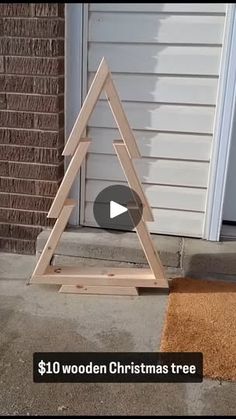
165 62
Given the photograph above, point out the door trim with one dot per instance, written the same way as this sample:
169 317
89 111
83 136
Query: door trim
222 129
84 91
73 86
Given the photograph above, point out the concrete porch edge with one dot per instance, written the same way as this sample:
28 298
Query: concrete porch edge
181 256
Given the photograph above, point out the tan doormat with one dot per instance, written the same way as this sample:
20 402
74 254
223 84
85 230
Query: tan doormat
201 317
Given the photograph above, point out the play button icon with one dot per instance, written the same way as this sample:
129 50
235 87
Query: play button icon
117 208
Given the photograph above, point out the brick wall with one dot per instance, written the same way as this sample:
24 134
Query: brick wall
31 119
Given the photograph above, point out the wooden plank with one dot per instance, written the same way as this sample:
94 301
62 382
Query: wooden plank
177 29
53 239
156 59
166 145
132 178
120 118
96 290
151 254
87 108
167 221
69 177
159 196
149 116
93 276
150 170
160 7
100 272
172 89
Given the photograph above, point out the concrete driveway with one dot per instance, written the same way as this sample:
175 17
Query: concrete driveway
36 318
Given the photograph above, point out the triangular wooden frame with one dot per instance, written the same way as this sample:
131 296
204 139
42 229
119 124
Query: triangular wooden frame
121 281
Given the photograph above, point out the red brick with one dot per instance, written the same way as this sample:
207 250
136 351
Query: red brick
31 119
33 28
16 119
48 47
19 231
31 154
4 168
46 188
12 153
26 186
21 186
2 64
33 103
47 10
51 139
18 216
4 136
4 184
2 101
16 83
48 155
17 245
32 138
34 66
18 137
4 200
34 203
16 46
47 121
15 9
36 171
49 86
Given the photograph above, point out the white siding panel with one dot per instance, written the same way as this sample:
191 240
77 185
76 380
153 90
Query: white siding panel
195 119
158 28
183 223
156 59
160 7
155 144
167 172
159 196
164 59
152 88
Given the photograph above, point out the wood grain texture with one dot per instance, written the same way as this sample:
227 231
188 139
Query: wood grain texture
93 290
53 239
87 108
132 178
69 177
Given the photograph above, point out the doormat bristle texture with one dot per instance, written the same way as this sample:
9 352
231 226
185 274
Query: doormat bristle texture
201 317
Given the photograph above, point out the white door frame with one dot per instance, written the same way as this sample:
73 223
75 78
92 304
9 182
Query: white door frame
222 129
74 86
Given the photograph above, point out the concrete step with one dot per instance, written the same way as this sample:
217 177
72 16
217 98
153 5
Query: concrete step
181 256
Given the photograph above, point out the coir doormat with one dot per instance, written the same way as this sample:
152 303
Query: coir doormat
201 317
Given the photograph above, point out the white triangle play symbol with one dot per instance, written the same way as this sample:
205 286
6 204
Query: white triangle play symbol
116 209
